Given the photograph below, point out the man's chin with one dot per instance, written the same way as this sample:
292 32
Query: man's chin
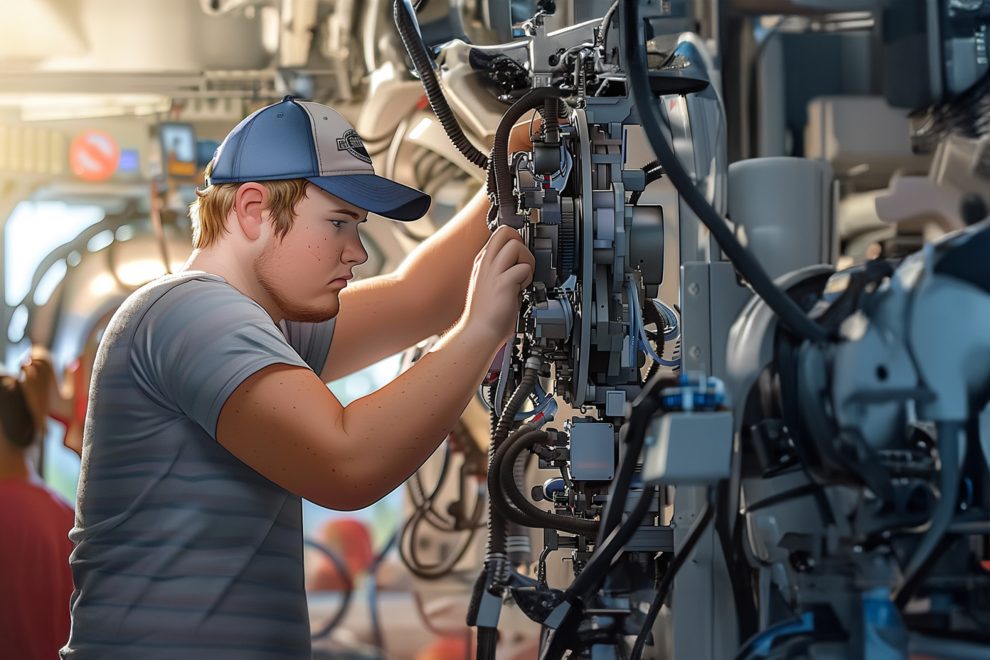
311 315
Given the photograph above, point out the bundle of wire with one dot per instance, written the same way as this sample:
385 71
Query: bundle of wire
451 522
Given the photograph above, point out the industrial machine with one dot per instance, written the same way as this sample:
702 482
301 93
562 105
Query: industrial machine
810 484
752 363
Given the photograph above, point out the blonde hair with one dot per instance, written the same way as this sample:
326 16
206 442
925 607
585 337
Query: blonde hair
213 204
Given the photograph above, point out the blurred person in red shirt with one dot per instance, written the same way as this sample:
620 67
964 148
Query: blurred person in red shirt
35 580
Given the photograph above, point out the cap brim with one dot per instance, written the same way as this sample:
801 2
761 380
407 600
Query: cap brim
376 194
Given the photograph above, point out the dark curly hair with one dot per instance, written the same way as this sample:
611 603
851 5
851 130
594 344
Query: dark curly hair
15 418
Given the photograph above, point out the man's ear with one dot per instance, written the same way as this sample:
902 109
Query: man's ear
249 209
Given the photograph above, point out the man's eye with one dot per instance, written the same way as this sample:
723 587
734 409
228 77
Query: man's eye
337 223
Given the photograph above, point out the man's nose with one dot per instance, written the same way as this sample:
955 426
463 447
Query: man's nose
356 253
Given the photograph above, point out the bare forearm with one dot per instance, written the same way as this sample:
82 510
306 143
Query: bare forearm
443 262
394 430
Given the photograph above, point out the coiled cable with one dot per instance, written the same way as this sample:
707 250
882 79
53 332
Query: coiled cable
405 21
424 512
502 482
500 172
347 593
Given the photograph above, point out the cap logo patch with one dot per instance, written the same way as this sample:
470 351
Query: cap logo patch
351 142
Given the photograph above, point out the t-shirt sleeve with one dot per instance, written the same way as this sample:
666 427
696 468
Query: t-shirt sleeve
198 342
310 340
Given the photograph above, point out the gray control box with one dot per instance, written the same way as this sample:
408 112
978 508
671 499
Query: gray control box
592 451
688 448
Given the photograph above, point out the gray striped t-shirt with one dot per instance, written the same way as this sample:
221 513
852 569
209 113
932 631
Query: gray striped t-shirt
181 549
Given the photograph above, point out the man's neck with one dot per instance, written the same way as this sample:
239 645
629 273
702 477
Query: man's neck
210 261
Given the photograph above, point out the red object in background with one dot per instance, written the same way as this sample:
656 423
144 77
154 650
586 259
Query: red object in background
349 539
80 398
446 648
94 156
35 580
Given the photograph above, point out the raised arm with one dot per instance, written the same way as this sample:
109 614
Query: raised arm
424 297
383 315
284 423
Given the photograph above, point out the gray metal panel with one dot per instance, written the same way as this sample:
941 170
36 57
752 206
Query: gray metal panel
694 621
592 451
726 301
695 318
615 403
688 448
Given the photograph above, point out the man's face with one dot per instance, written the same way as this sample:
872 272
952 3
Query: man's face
306 270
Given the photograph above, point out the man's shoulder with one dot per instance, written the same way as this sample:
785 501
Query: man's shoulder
188 294
189 282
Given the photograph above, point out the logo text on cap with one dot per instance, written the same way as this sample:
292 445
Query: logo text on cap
351 142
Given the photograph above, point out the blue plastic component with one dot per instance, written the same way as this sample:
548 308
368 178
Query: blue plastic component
884 633
694 393
760 645
551 486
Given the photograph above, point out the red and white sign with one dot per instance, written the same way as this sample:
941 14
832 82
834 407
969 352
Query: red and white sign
94 155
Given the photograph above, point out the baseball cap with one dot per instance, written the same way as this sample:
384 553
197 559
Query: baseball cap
295 139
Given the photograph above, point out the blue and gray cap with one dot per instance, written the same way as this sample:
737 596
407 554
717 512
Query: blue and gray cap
296 139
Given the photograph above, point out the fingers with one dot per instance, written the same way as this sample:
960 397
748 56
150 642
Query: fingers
512 253
500 237
498 240
520 275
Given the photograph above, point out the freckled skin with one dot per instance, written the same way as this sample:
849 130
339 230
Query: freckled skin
291 277
323 244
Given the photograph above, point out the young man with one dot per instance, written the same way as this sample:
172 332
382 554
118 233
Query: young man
35 582
209 418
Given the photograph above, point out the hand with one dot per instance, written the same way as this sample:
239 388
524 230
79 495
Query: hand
502 270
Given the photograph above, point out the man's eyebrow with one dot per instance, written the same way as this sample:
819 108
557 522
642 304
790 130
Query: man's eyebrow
350 213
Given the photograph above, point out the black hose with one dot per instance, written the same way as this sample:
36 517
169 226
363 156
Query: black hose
487 642
495 554
376 627
408 543
739 571
500 169
496 523
694 535
528 514
551 120
632 436
348 591
787 310
518 544
405 21
596 569
945 508
422 501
